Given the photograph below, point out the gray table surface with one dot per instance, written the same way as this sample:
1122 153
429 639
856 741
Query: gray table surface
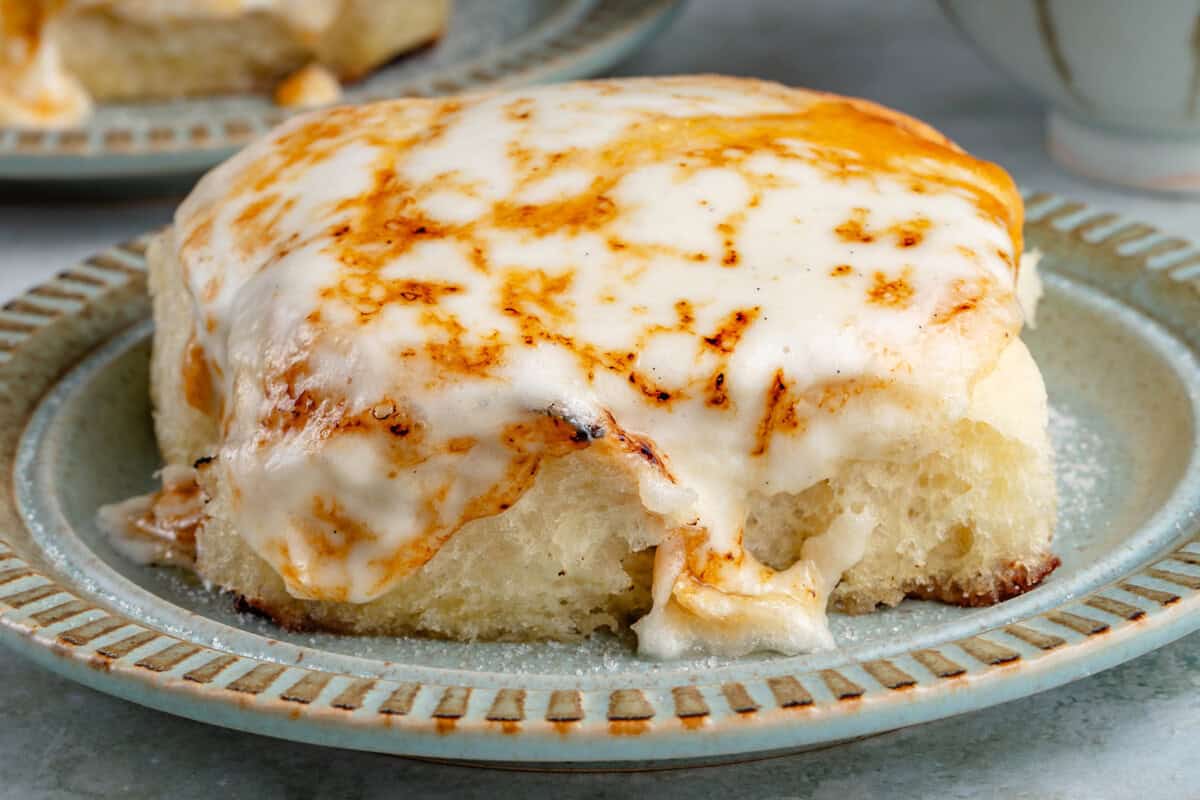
1129 732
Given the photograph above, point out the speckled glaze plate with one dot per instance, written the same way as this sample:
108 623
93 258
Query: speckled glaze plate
489 43
1118 341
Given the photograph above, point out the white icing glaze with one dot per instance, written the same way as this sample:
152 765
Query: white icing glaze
728 285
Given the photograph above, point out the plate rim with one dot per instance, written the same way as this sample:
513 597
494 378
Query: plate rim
49 328
605 32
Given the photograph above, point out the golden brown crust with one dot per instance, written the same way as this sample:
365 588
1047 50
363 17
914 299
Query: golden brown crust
286 617
1012 580
973 591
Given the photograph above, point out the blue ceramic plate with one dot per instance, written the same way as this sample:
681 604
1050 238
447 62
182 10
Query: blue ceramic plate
1118 341
489 43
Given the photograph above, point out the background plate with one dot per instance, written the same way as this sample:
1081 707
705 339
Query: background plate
1118 340
489 43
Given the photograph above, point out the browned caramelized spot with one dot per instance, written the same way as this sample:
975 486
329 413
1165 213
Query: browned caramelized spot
841 270
24 20
590 210
517 479
332 532
286 247
964 297
447 110
533 165
779 414
841 167
385 223
196 376
199 237
911 232
855 228
307 145
257 226
520 109
908 233
536 297
403 436
654 390
961 308
718 396
447 349
369 297
416 552
461 444
685 317
686 313
290 407
832 397
889 143
287 570
321 136
633 444
706 565
212 287
891 292
731 329
532 297
728 231
294 409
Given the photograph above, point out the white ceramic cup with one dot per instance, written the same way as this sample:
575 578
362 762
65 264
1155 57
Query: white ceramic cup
1122 78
